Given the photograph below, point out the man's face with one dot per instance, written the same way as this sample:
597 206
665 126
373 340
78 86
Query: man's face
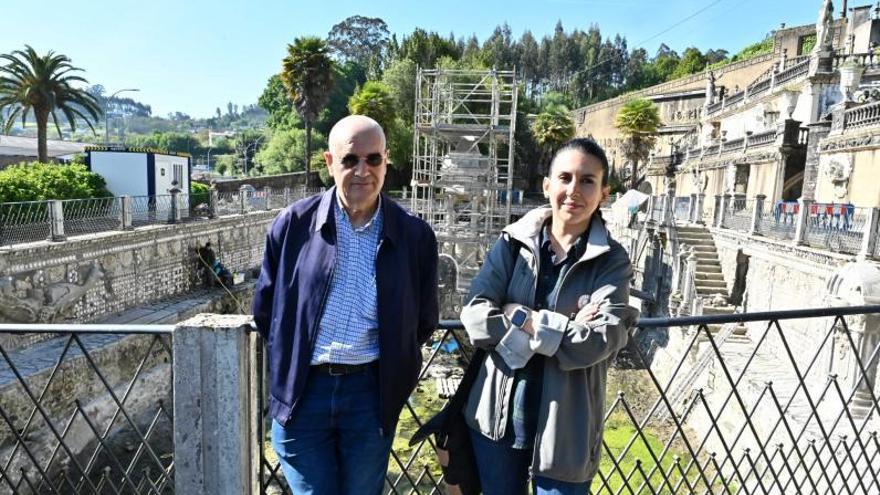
358 164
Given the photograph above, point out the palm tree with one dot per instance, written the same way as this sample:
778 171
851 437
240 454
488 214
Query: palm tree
42 85
638 121
551 128
307 74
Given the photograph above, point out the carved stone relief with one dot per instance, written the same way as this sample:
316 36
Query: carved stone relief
838 170
45 301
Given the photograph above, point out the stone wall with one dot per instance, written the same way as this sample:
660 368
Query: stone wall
781 276
679 101
847 168
85 279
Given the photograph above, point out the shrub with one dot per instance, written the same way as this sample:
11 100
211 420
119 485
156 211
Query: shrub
41 181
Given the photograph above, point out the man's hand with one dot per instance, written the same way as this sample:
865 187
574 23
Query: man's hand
509 308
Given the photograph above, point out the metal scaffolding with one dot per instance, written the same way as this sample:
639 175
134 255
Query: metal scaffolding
463 147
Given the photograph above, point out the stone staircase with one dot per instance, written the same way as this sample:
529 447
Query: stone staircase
709 279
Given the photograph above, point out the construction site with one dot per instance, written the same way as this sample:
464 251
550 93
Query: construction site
463 154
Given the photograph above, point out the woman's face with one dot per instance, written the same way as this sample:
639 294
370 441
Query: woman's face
574 187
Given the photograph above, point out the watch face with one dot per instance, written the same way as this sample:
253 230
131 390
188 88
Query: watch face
519 317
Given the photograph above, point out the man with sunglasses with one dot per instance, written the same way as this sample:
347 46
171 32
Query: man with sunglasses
346 296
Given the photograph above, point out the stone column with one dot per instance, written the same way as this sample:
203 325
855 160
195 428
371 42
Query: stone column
725 200
800 233
286 195
174 213
216 449
757 214
268 192
692 208
701 201
213 198
56 220
125 222
243 198
869 235
817 132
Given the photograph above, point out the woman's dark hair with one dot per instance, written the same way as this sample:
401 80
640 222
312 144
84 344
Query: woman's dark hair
588 147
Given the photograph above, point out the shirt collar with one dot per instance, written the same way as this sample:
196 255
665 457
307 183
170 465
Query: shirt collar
374 220
574 252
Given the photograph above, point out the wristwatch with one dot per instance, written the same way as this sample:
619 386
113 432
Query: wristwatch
520 316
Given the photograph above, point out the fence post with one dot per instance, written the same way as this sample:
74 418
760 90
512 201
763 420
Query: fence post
175 207
216 417
800 232
757 214
213 198
125 212
268 192
869 235
286 195
242 200
56 220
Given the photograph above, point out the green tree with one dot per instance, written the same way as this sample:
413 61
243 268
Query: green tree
276 100
665 62
362 40
42 85
426 48
285 151
348 78
42 181
692 61
638 121
400 77
375 100
552 127
307 74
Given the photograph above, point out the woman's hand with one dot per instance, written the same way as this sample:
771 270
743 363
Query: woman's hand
509 308
587 313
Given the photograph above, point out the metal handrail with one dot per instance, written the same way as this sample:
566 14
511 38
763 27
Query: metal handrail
20 328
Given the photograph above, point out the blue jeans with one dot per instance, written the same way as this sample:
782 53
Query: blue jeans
332 443
505 470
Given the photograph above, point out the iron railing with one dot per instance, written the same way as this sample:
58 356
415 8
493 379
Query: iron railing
774 402
738 214
32 221
836 227
26 221
778 221
87 410
682 208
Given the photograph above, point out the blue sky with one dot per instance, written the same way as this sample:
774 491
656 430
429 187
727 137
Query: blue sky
196 55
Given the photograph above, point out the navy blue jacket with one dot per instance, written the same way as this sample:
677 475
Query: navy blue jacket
293 287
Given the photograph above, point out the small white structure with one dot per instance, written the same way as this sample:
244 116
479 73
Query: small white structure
147 176
140 171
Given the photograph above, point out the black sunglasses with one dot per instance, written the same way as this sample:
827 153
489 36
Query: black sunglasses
351 160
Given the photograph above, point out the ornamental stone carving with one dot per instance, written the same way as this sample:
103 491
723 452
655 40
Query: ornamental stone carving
45 302
838 170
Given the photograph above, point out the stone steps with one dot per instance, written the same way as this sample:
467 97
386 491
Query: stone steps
697 242
715 276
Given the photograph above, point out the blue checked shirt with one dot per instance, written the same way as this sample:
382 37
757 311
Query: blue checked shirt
349 329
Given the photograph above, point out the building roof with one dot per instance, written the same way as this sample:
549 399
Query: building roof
27 146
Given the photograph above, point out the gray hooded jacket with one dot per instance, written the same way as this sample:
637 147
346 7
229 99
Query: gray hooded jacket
572 407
